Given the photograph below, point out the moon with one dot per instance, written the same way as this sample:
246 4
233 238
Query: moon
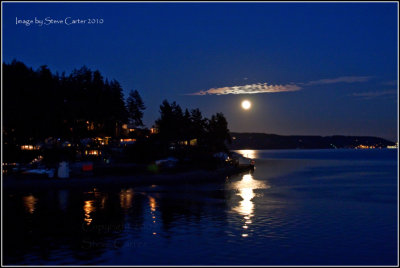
246 104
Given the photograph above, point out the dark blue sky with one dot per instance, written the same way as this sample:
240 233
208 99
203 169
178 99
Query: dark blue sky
331 67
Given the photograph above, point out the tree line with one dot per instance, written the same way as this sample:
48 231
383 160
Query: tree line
177 126
39 104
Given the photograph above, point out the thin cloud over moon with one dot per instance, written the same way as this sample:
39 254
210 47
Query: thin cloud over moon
249 89
266 88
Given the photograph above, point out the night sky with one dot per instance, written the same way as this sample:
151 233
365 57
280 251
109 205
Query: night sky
311 68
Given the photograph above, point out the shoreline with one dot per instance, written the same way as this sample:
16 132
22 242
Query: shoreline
16 182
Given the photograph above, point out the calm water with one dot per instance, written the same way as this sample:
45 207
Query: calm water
299 207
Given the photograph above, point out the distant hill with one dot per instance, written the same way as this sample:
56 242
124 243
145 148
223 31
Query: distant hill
272 141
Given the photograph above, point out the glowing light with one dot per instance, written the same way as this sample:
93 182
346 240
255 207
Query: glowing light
153 204
393 146
92 152
246 206
246 104
103 201
127 140
361 146
125 197
88 208
30 203
29 147
247 178
193 142
248 153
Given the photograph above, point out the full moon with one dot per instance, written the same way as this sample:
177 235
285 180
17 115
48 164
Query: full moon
246 104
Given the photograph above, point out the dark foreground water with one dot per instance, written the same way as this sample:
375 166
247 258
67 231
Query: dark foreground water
299 207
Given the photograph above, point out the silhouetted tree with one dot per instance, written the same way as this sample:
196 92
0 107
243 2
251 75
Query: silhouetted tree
198 126
218 132
135 108
38 104
176 126
186 126
117 114
20 102
169 121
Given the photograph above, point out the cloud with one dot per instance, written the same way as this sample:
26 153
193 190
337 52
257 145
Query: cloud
265 88
374 94
249 89
342 79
